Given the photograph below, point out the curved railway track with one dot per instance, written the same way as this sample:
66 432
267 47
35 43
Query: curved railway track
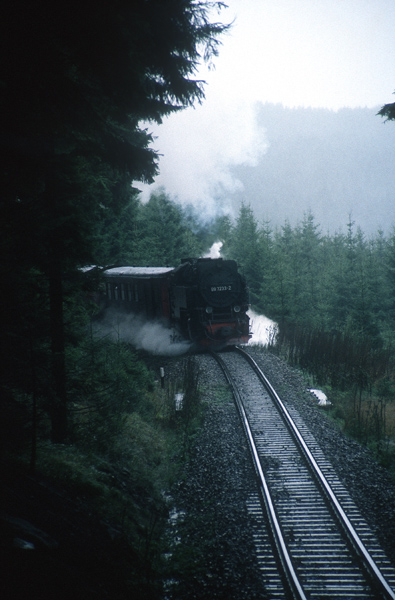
323 549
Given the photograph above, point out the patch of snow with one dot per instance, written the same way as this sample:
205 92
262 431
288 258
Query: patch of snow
179 400
322 398
263 330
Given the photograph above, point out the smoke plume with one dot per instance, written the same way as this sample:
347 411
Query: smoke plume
152 336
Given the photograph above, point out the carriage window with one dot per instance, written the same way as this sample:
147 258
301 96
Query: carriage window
130 292
136 294
108 290
123 293
116 293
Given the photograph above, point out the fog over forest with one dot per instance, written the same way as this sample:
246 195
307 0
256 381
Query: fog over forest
332 163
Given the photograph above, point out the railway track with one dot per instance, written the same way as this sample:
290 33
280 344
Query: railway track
311 541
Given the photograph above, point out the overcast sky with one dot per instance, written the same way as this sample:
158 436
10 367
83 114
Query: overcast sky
318 53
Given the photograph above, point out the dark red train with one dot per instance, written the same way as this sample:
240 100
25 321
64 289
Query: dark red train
205 300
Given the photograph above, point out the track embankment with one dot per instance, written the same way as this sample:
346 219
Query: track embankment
216 529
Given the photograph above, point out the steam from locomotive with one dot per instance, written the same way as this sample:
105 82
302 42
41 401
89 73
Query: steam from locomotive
153 336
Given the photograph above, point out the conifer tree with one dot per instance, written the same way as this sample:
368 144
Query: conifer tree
310 257
245 248
390 265
267 296
77 79
281 280
164 238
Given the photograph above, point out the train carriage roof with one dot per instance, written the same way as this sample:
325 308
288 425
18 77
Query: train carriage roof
142 272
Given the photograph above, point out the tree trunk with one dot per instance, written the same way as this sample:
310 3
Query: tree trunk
58 410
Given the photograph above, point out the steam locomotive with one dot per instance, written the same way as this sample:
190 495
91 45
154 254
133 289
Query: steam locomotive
205 300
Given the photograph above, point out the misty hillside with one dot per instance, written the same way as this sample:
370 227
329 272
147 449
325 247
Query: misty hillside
334 163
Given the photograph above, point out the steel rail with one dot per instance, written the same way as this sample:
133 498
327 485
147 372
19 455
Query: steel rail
286 560
352 535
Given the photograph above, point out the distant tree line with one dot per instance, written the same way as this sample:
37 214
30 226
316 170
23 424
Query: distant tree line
331 295
333 299
159 232
342 281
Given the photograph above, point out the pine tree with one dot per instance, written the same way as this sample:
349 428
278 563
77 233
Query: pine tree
281 281
246 249
390 277
267 296
164 237
310 258
77 80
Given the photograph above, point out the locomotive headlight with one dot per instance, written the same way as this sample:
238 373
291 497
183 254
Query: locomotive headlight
209 310
236 308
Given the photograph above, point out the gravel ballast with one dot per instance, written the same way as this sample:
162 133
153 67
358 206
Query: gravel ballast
213 551
370 485
214 554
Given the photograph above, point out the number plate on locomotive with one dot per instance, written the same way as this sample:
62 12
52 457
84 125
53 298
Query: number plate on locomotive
221 288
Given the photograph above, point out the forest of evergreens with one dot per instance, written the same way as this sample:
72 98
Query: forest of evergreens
79 82
73 144
333 298
331 295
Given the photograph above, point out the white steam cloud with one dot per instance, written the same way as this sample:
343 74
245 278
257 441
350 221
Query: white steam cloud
215 250
152 336
263 329
199 146
156 338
